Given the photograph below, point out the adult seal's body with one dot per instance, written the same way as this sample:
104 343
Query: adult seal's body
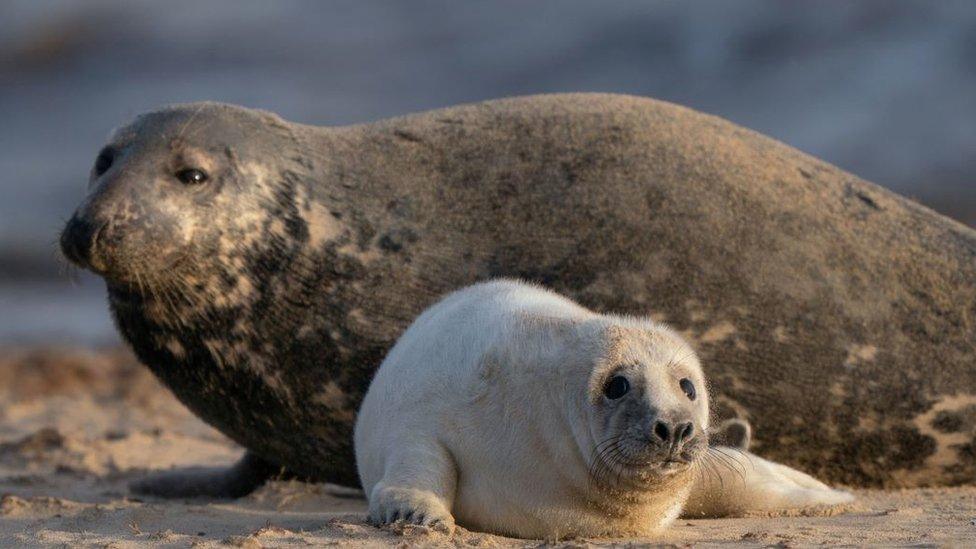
516 411
262 269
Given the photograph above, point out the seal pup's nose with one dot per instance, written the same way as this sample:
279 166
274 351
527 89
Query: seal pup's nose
670 433
78 240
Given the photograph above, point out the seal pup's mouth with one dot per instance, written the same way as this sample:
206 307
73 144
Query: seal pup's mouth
624 461
670 464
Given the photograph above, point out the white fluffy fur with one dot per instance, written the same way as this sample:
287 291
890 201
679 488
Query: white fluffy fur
483 412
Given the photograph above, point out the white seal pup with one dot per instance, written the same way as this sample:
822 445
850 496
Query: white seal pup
510 409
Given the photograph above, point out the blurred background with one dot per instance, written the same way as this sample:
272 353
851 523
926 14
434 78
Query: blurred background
884 89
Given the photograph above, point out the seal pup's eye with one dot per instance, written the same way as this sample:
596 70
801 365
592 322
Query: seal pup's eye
192 176
104 161
616 387
688 387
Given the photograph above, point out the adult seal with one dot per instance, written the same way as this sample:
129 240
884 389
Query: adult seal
262 269
514 410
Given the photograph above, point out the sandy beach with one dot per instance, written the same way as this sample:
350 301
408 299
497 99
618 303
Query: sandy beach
78 425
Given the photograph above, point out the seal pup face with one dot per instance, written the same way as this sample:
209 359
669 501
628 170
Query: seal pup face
181 199
648 406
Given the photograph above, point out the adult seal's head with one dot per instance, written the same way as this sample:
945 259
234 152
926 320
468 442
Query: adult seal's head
202 193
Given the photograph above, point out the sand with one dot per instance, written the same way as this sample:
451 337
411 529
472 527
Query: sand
77 425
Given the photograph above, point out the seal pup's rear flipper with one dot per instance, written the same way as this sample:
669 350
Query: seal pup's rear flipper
235 481
736 433
734 482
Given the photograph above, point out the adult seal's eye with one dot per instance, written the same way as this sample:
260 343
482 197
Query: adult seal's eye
688 387
104 161
616 387
192 176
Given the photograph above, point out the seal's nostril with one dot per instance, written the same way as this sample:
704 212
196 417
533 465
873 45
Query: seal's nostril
662 431
684 431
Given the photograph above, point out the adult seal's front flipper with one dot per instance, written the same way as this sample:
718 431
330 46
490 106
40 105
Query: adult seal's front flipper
236 481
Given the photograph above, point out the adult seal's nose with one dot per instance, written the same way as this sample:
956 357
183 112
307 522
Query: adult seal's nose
78 240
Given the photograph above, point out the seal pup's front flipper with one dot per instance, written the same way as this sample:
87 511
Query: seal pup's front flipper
238 480
417 488
734 482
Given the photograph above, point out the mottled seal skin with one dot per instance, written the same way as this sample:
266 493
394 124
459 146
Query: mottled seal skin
836 317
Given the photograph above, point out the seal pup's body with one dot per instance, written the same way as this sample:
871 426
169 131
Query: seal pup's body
516 411
266 293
